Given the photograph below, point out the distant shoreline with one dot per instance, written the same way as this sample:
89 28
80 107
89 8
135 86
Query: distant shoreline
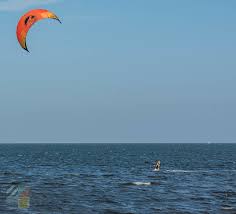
33 142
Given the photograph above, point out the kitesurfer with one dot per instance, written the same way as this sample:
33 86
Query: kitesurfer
157 165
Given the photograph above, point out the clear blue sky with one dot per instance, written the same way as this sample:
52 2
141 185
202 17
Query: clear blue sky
120 71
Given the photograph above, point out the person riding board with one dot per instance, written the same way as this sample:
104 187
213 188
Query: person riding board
157 165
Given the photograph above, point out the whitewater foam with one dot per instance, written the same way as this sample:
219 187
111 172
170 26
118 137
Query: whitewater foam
138 183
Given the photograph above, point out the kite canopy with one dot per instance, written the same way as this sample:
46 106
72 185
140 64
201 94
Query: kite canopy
26 22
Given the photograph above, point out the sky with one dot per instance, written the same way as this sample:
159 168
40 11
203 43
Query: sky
147 71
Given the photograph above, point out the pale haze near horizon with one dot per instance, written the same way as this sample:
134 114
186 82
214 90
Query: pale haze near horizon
121 71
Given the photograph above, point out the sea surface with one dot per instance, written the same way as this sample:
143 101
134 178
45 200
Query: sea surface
117 178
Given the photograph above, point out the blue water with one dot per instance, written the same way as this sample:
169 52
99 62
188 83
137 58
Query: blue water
119 178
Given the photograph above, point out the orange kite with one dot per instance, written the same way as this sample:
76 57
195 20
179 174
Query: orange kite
26 22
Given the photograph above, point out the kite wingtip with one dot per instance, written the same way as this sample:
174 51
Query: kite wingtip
56 18
27 49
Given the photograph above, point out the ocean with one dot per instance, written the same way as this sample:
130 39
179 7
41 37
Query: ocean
117 178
